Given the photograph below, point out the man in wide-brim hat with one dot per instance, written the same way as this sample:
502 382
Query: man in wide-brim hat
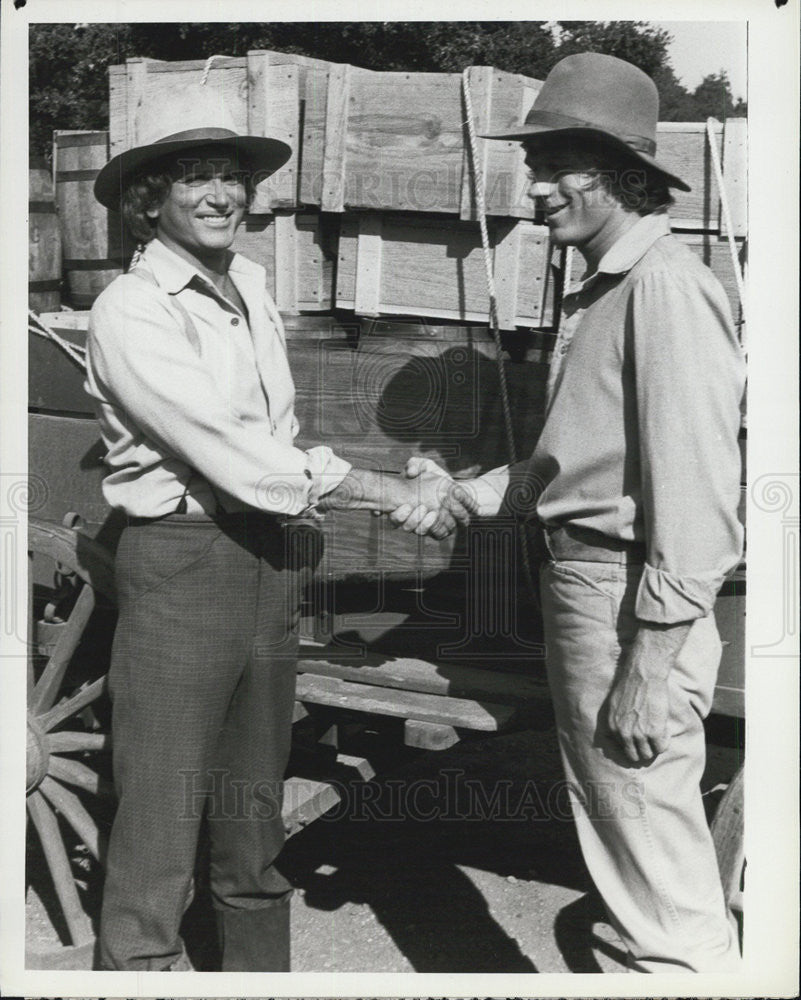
636 482
188 369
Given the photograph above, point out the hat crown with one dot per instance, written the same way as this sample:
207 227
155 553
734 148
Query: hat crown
194 108
601 92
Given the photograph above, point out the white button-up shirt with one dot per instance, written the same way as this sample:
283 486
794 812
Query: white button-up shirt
195 399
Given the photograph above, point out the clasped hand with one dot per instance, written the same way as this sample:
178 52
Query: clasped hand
434 504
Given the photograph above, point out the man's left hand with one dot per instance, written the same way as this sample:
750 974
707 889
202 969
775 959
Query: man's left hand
639 704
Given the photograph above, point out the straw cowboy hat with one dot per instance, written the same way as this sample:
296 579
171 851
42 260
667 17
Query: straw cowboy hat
596 96
196 117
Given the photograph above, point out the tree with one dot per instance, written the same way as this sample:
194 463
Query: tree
69 62
635 41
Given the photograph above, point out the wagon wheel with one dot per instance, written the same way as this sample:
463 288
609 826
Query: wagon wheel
62 747
727 835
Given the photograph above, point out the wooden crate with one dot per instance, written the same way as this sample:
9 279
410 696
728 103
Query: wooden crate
363 139
683 148
298 251
402 264
360 139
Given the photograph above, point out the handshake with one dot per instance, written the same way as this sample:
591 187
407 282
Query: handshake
429 501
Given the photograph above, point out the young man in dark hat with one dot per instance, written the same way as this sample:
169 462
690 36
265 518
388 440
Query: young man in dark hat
187 365
636 477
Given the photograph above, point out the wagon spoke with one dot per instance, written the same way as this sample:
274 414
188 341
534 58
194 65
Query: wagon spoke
71 706
72 742
46 824
48 685
73 772
72 809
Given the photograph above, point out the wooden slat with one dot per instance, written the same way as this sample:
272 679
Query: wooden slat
367 295
72 705
463 714
48 685
735 174
507 267
428 735
424 676
305 800
274 111
336 131
286 253
72 809
78 924
73 772
71 742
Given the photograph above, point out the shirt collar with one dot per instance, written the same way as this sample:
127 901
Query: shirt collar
632 245
173 273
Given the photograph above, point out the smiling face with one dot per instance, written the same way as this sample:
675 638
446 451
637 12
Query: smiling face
579 210
205 204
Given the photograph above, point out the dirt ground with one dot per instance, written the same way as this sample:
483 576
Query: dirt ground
458 861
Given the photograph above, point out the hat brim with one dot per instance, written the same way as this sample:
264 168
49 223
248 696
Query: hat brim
541 135
256 154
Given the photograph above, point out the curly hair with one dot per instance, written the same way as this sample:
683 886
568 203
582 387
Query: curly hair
148 190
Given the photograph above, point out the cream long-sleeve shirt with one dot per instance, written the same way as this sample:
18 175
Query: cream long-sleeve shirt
205 412
640 436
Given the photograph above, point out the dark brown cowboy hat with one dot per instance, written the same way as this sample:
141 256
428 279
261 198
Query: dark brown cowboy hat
198 117
594 96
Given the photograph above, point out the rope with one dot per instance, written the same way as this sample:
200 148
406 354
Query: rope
207 68
724 207
481 210
43 330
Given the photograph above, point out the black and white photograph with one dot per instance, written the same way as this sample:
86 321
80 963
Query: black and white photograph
399 499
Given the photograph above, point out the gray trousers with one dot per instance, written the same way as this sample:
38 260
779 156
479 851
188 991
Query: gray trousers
642 829
203 681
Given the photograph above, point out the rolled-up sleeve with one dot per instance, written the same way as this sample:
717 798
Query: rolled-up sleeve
690 379
141 362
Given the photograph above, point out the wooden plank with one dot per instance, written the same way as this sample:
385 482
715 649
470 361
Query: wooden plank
286 254
735 174
452 679
135 88
461 713
336 130
274 111
507 266
428 735
117 109
305 800
367 296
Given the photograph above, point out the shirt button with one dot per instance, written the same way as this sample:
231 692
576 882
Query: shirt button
563 349
234 321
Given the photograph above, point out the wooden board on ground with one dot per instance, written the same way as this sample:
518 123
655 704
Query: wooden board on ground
480 716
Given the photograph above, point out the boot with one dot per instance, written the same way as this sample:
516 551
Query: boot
255 940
